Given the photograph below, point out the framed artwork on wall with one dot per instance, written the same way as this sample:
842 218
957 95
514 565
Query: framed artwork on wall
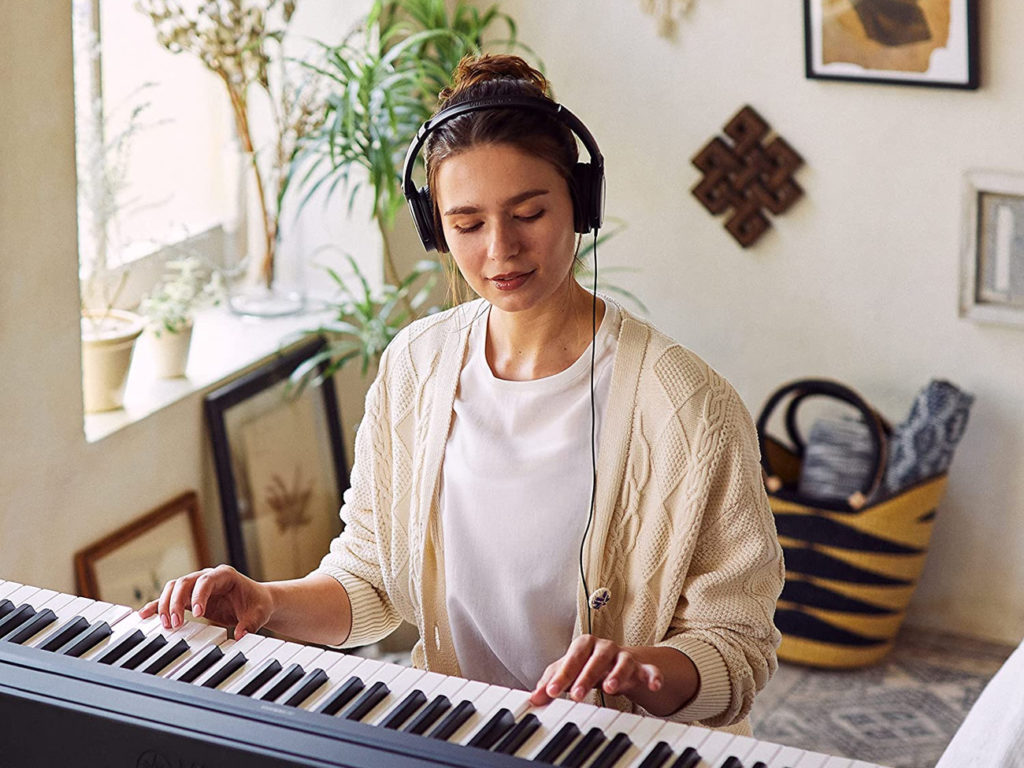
907 42
992 251
280 465
132 564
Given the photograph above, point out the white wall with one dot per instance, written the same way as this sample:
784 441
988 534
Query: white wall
859 281
59 493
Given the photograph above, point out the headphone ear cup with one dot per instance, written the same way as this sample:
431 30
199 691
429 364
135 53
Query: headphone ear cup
422 208
588 211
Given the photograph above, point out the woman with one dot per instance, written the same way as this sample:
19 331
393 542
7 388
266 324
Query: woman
470 510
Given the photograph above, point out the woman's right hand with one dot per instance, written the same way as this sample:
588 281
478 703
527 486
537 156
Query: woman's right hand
222 595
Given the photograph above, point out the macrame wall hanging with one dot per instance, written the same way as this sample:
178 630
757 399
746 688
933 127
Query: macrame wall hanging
666 12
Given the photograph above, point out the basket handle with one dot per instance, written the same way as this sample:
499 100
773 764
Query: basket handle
800 390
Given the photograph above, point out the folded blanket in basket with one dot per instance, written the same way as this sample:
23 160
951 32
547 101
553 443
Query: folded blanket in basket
837 458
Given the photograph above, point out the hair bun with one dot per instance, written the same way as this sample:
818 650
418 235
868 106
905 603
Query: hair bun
474 71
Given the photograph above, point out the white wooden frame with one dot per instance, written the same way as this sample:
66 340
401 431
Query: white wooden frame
980 301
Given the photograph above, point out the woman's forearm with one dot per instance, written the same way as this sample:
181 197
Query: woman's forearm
314 609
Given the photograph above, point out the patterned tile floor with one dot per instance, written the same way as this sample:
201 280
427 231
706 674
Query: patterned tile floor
900 713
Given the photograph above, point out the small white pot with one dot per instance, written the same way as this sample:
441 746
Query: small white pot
108 340
170 351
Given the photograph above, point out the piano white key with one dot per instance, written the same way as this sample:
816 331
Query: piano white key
430 684
399 687
764 752
641 732
483 697
47 599
206 637
715 748
811 760
7 588
838 762
787 757
257 655
21 594
600 718
551 716
123 624
338 674
230 648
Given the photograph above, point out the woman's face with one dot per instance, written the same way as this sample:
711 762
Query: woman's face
508 220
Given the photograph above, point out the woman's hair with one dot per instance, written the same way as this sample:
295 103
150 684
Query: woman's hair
531 131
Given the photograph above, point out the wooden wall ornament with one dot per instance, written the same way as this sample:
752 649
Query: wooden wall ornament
752 173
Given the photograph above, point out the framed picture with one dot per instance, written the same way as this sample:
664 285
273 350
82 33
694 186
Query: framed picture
280 464
131 565
908 42
992 252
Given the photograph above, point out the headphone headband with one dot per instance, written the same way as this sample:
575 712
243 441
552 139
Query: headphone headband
588 177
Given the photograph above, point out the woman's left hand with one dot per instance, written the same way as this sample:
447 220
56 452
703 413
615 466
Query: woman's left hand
592 662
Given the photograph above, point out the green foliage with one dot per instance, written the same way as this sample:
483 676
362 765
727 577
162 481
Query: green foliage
366 321
187 285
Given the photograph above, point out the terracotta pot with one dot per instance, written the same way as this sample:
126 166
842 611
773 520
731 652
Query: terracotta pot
108 341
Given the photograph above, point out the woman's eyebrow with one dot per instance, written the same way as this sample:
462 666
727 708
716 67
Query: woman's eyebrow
512 201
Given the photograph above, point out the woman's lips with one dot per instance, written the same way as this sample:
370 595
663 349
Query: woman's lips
511 281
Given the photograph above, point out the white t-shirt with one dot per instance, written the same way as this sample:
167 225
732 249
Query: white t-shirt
515 497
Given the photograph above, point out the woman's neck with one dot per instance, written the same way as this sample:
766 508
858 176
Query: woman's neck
532 344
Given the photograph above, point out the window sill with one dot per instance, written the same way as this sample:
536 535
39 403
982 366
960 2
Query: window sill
223 345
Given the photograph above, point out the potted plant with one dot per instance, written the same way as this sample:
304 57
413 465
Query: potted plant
169 309
241 42
103 143
383 81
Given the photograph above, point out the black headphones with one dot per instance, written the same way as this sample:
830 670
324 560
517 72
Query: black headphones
587 183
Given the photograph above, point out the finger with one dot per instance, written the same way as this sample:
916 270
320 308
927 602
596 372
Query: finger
180 598
149 609
600 663
653 675
164 605
213 582
540 696
570 665
621 676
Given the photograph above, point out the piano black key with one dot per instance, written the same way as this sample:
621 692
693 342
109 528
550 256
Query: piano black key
86 641
500 723
615 749
515 738
259 677
226 670
144 653
428 715
121 647
398 716
690 758
453 721
285 680
6 606
166 658
71 629
30 628
558 743
305 687
760 764
373 696
732 762
587 746
16 618
200 664
341 697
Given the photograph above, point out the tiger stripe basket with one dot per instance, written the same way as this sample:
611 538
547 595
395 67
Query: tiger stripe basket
851 566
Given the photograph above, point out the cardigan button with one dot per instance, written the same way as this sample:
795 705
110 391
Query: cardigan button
600 597
437 637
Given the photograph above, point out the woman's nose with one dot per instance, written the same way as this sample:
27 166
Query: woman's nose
503 242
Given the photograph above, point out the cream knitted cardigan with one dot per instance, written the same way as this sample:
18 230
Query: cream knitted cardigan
682 535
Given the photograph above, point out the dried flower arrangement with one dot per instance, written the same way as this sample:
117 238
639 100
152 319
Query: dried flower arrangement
241 42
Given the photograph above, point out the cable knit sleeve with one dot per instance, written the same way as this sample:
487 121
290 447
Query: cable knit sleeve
724 618
357 556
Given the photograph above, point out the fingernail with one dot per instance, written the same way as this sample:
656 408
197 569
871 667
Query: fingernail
197 610
553 690
165 621
175 621
578 693
611 684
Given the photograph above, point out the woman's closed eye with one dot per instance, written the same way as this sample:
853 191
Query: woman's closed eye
464 228
530 216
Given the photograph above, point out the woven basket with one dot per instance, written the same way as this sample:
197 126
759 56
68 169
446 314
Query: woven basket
851 566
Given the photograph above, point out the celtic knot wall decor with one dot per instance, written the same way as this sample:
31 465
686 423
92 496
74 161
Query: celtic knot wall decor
747 176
